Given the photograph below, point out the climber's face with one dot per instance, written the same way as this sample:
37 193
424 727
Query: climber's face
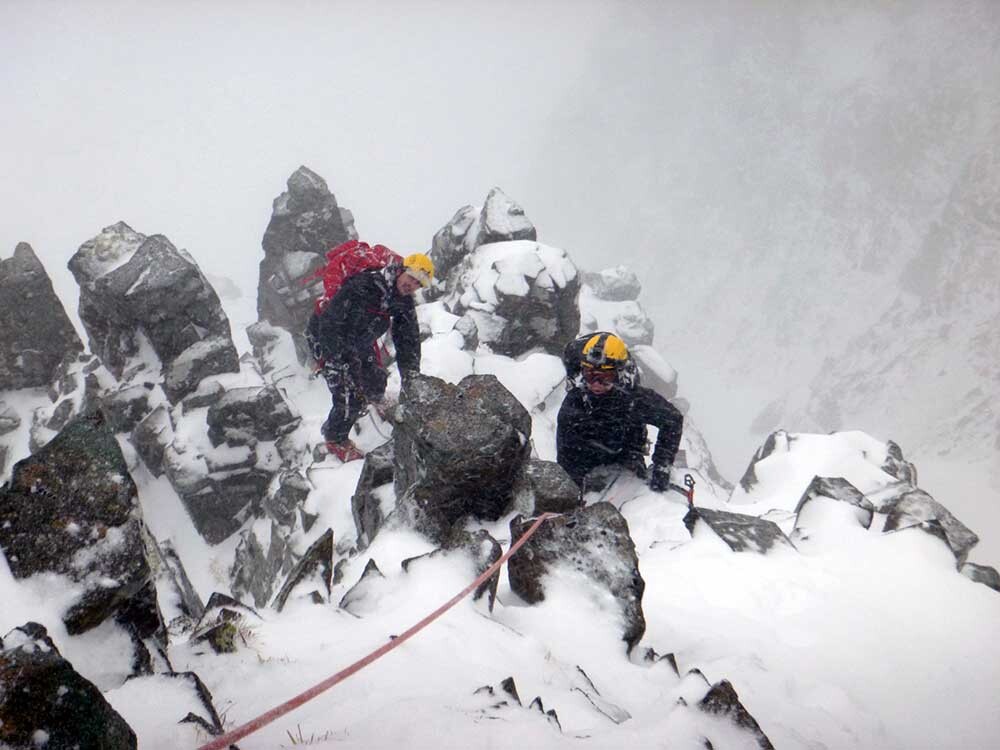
599 382
406 284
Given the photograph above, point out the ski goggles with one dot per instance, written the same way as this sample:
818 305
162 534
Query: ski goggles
604 377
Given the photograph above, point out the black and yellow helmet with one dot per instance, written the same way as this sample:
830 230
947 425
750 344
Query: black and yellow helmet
604 351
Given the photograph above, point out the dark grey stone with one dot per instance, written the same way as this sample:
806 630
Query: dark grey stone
42 691
502 220
256 573
10 420
305 223
221 505
314 569
617 284
984 574
125 408
360 590
131 284
209 356
545 487
453 241
458 450
208 393
916 507
365 506
594 541
722 700
151 437
897 466
36 334
741 533
244 416
777 441
293 490
76 496
170 572
545 316
837 489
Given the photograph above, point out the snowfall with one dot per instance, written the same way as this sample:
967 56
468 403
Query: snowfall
853 638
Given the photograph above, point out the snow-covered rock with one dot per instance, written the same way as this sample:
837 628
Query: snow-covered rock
520 295
593 541
740 532
72 510
36 334
305 223
44 702
618 284
458 451
146 304
916 507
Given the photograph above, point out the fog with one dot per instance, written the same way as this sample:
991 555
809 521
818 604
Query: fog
769 168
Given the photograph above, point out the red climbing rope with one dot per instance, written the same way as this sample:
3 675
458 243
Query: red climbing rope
219 743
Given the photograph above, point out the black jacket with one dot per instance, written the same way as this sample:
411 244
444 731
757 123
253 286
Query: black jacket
609 429
361 312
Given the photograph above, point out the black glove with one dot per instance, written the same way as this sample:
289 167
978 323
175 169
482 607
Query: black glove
635 463
660 481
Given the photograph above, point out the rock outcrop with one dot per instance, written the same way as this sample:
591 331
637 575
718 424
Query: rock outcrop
140 295
916 507
520 295
458 451
305 223
72 509
741 533
594 541
44 702
36 334
826 496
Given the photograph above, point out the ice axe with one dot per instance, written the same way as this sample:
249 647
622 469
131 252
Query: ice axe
687 490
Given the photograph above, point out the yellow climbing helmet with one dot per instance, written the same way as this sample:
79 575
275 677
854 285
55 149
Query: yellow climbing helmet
604 351
420 267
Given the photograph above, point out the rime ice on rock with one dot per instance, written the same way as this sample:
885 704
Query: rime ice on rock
138 291
594 541
305 223
36 334
520 295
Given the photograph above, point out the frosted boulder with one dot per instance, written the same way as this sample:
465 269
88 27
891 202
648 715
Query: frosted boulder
502 220
741 533
305 223
520 296
257 570
314 571
458 451
545 487
723 701
916 507
454 240
9 419
831 496
36 334
368 503
616 284
245 416
142 300
72 509
44 702
984 574
594 541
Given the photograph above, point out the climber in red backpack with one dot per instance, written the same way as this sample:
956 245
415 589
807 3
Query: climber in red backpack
368 291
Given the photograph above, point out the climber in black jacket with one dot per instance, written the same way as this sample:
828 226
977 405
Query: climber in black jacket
604 416
343 337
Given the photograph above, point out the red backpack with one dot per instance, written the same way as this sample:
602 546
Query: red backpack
344 261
